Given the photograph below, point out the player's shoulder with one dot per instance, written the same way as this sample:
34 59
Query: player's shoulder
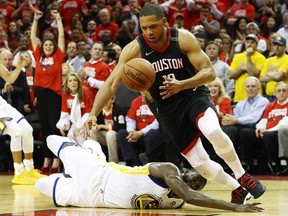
131 50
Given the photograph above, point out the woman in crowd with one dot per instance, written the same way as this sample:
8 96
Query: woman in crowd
49 57
76 106
219 97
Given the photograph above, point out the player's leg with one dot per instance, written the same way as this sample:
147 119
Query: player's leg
200 161
225 149
28 148
64 191
77 161
221 142
15 132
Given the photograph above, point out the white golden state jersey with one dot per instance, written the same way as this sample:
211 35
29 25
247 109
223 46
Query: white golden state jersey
133 187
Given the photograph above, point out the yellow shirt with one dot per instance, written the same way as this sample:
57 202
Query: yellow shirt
239 60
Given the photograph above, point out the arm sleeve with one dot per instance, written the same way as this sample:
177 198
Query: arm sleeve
94 83
130 124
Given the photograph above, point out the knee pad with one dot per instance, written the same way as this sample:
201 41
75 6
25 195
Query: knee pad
27 130
209 169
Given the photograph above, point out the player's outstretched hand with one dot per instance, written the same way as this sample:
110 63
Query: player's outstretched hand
253 207
91 120
170 87
24 60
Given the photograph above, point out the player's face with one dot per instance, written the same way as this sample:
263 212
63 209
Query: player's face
194 180
153 28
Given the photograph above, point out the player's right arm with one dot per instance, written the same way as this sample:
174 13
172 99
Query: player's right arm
10 77
171 175
110 86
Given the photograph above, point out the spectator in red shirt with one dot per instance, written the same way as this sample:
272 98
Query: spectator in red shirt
70 7
96 71
173 8
106 25
6 10
47 81
244 9
75 108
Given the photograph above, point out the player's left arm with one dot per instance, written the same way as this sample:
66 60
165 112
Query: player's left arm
171 175
205 72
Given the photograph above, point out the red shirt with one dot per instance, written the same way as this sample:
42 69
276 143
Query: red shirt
274 112
70 7
112 28
140 112
98 70
247 10
173 12
48 70
67 101
7 11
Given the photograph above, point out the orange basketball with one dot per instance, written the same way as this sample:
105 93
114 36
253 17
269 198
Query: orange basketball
138 74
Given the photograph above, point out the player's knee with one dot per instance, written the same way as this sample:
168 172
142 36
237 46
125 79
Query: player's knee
208 169
27 130
52 140
15 131
215 136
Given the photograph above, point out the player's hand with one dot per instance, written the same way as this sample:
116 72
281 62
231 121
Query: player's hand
62 131
253 207
27 108
24 60
7 88
170 87
91 120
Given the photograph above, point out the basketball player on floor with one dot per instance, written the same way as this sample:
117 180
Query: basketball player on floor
19 130
182 100
95 183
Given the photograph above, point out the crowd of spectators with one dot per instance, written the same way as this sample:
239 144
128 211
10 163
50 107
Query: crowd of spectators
242 39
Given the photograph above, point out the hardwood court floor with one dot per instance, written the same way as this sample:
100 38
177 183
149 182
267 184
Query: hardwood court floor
25 200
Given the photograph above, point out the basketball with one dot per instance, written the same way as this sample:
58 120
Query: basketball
138 74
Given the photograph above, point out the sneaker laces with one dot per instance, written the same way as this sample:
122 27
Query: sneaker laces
249 181
237 195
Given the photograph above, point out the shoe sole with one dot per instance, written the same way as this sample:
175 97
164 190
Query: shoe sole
261 193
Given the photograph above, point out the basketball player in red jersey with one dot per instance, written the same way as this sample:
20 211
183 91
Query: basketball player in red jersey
182 69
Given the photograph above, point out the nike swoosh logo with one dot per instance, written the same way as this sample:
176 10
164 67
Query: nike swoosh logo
148 53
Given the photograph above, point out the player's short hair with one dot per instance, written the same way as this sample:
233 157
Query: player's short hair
152 10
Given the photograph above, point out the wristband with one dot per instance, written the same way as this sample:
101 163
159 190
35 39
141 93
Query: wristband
36 18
